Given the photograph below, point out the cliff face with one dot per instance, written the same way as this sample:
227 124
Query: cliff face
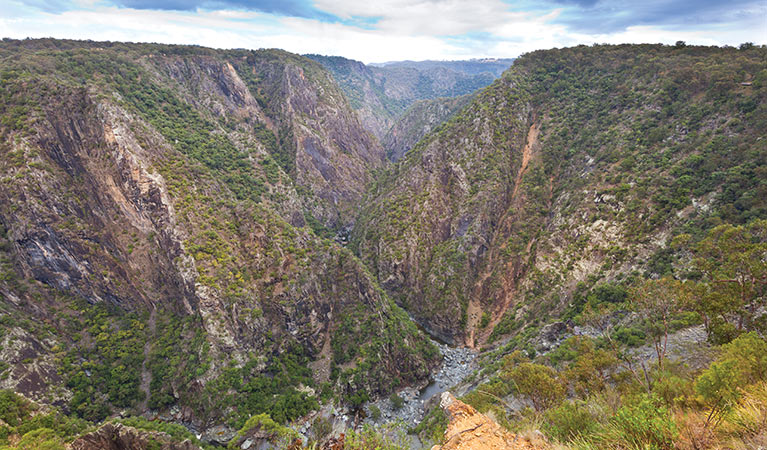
119 437
574 169
419 120
153 249
380 94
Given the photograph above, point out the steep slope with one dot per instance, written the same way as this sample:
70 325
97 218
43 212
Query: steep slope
153 249
573 169
495 66
418 121
380 95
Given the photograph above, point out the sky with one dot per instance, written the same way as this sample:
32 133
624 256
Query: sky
391 30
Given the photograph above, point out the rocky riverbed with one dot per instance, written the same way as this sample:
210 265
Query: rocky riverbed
458 363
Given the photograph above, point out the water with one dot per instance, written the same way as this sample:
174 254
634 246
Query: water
431 389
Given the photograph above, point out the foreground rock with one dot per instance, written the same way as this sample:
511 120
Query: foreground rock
115 436
470 430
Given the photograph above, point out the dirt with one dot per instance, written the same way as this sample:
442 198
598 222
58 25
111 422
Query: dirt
516 201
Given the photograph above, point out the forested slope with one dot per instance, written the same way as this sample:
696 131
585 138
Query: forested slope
165 214
577 168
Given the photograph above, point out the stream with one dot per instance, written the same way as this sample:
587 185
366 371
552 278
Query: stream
457 365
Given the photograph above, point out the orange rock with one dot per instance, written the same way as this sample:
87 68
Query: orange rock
470 430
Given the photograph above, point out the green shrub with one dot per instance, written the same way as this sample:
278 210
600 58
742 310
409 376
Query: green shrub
568 421
389 438
396 401
538 383
644 425
375 412
278 434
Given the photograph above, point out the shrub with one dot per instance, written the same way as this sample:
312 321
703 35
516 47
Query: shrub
375 412
396 401
279 435
538 383
389 438
568 421
750 352
644 425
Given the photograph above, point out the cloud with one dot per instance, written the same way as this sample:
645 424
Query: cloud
385 30
295 8
603 16
49 5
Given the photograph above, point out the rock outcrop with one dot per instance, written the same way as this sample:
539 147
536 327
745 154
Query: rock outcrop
115 436
468 429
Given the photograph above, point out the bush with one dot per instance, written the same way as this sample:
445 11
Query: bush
396 401
568 421
750 352
278 434
538 383
375 412
389 438
13 408
644 425
608 293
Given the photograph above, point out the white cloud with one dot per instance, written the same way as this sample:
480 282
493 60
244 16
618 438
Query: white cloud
406 29
427 17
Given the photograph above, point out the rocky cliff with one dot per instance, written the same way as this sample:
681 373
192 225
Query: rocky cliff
468 429
162 214
419 120
380 94
118 437
573 170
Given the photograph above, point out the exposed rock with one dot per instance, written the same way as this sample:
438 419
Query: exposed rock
115 436
380 94
522 199
193 207
420 119
550 336
219 434
470 430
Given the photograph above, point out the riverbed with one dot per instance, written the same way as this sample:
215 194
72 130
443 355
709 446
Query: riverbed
457 365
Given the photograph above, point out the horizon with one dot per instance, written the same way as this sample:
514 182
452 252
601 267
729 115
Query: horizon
373 63
390 30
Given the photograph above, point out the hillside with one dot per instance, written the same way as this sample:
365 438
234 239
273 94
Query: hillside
575 169
495 66
419 120
380 94
164 216
254 249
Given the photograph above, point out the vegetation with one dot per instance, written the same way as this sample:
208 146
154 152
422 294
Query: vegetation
636 213
25 425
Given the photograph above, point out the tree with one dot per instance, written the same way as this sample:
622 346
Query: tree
743 362
538 383
590 370
657 301
733 260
